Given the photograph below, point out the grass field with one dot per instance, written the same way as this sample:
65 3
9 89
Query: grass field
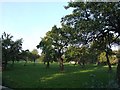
37 76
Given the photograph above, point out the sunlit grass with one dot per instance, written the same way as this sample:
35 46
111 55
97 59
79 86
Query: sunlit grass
37 76
44 79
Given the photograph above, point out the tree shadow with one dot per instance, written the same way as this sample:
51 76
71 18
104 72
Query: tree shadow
80 78
39 77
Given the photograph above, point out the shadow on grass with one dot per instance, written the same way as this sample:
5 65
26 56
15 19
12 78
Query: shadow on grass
76 77
38 76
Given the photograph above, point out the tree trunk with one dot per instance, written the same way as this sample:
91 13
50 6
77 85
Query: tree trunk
44 62
25 62
83 63
12 63
34 61
4 64
62 67
48 64
79 62
108 62
75 62
118 72
98 63
61 64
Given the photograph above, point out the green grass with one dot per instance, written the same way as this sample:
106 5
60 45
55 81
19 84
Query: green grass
38 76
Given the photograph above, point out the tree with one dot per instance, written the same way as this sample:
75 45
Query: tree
81 55
98 21
54 44
72 54
6 40
102 45
93 54
34 55
34 51
24 55
47 50
16 47
10 49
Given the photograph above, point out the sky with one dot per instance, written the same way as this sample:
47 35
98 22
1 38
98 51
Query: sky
30 20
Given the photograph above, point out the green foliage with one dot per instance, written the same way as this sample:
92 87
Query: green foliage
34 51
98 22
118 54
27 55
72 53
102 57
54 44
112 58
94 26
10 48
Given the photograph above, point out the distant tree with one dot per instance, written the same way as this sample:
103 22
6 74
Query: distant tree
35 51
34 54
93 54
47 50
10 49
102 45
23 56
78 54
26 56
72 54
102 57
16 47
54 44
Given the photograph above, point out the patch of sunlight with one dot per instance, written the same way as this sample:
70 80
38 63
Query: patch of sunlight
114 66
87 71
105 66
83 71
111 66
44 79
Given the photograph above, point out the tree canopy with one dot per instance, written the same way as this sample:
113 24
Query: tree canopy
94 21
10 48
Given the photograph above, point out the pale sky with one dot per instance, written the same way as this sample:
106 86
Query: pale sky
30 20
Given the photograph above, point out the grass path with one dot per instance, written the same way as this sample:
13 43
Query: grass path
38 76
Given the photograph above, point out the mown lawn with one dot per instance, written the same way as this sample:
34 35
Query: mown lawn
37 76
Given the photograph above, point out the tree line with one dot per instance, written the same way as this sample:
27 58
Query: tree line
12 51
